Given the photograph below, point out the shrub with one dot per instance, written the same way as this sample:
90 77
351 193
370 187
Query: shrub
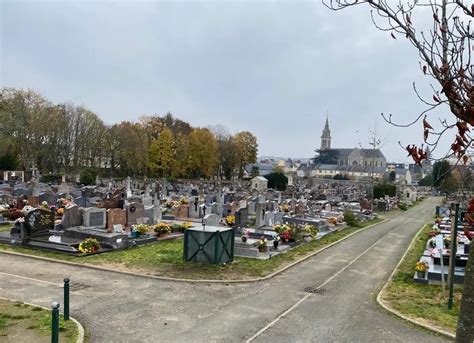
402 206
88 176
351 219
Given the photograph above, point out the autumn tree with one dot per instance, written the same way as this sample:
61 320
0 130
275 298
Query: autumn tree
202 154
162 154
246 148
444 50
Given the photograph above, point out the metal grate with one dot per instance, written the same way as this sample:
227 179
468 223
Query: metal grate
77 286
315 290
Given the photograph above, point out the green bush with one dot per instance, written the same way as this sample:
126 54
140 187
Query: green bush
87 176
402 206
351 219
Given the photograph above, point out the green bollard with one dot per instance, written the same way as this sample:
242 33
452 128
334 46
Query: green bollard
55 322
66 299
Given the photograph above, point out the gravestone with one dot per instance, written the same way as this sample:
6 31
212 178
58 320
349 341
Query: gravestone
39 221
252 207
71 217
194 207
33 201
82 201
241 217
182 212
149 214
63 188
269 218
211 220
203 210
260 214
20 192
116 216
278 217
157 214
94 217
50 198
134 210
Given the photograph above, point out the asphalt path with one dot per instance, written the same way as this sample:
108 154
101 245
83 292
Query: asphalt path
327 298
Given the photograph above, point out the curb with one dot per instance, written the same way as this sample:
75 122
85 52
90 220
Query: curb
80 328
164 278
389 309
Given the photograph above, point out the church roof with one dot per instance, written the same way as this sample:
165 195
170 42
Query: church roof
366 153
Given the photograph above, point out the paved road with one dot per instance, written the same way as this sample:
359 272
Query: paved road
346 279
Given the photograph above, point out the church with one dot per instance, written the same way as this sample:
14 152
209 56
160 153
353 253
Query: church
354 163
355 157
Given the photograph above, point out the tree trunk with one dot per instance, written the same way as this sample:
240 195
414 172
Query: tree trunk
465 330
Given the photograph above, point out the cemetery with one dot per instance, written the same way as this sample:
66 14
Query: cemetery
211 222
445 239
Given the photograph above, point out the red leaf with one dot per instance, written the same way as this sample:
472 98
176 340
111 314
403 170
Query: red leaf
426 125
435 98
425 134
424 70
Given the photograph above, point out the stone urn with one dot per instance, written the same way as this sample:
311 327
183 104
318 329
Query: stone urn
244 239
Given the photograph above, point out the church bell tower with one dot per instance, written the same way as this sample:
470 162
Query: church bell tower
326 137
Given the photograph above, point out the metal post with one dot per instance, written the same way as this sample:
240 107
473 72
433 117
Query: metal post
55 322
452 257
66 299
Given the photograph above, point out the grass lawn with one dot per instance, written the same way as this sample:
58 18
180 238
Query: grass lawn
166 259
24 323
426 303
5 227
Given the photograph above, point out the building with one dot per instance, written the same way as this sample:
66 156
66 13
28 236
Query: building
366 158
259 183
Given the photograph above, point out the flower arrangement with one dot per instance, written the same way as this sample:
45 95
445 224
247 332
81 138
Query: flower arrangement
44 205
14 214
186 225
141 228
286 235
60 211
184 201
285 208
89 245
262 244
230 220
421 266
162 228
332 221
280 228
434 232
245 235
311 230
447 241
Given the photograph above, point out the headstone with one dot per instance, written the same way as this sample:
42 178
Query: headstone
269 218
116 216
134 210
182 212
252 207
63 188
149 214
50 198
241 217
39 220
278 217
33 201
82 201
260 215
94 217
71 217
194 207
211 220
129 187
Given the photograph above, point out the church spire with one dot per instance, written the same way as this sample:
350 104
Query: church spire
326 136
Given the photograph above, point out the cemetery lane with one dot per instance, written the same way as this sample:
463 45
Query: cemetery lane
124 308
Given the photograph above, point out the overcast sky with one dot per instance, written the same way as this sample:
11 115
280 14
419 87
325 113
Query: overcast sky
273 68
